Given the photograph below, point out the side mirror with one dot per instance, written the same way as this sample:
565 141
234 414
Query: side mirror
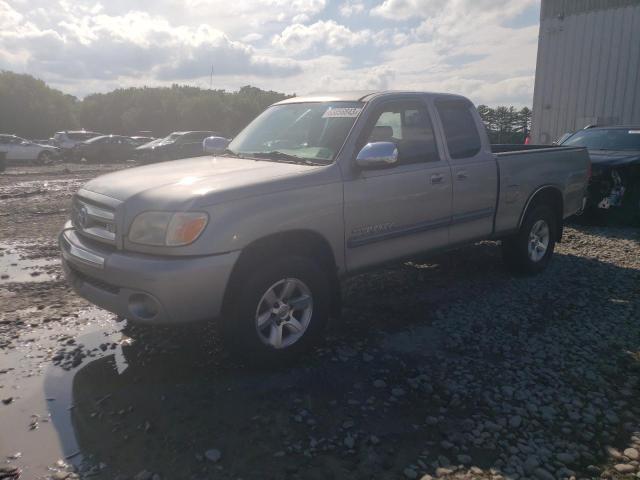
377 155
213 145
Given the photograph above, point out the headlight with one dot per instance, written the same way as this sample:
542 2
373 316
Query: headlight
167 228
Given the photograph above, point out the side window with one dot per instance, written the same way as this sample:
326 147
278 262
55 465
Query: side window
408 125
192 137
460 128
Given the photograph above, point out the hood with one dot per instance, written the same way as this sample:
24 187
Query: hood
614 158
197 181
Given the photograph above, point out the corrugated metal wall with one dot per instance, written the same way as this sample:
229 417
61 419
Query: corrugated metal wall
588 66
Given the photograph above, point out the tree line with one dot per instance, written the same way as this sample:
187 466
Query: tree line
506 124
30 108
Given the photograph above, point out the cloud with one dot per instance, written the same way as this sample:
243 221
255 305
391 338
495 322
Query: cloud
351 7
299 38
471 47
136 44
405 9
251 37
9 18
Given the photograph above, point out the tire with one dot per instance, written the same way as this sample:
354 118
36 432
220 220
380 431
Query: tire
44 158
277 311
519 252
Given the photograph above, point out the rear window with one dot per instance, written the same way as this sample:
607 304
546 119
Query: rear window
460 128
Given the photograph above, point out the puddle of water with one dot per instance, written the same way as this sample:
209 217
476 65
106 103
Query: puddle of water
15 267
43 393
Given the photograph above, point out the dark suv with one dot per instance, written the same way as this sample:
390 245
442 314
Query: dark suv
174 146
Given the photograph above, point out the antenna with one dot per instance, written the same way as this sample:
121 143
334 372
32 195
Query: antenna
211 78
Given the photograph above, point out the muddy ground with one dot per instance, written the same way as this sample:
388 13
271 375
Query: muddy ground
447 367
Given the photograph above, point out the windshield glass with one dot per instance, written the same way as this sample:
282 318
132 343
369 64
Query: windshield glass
606 139
309 131
172 137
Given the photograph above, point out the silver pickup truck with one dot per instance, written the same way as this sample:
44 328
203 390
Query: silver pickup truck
316 188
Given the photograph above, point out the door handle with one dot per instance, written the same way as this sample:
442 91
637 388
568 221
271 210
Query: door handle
461 175
436 178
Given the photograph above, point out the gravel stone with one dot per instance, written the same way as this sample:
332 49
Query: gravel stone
410 473
213 455
625 468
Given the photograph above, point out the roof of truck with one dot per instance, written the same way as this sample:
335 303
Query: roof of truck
358 96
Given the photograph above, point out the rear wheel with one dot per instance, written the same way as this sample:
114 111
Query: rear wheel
278 310
531 249
44 158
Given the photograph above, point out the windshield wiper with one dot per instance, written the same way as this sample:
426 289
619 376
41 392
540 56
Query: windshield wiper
282 157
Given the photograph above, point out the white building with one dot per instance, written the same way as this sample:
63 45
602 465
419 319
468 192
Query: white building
588 67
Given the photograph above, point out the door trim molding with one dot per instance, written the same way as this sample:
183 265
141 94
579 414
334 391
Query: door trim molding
420 227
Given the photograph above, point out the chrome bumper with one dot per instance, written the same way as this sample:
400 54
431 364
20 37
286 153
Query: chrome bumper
145 288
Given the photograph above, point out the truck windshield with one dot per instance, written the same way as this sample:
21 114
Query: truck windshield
606 139
308 131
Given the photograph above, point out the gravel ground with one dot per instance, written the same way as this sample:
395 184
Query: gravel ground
445 367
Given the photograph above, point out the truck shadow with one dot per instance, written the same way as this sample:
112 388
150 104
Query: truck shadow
435 366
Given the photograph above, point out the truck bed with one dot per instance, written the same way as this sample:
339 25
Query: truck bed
523 169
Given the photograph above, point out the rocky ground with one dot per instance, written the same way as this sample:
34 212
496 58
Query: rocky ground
446 367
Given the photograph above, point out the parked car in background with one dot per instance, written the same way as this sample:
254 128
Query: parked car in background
615 166
174 146
66 140
20 150
105 149
44 141
314 189
138 140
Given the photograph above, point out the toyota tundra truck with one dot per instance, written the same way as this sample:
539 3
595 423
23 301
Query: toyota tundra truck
259 232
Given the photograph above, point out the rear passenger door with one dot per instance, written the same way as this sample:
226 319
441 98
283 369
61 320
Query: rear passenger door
473 168
403 209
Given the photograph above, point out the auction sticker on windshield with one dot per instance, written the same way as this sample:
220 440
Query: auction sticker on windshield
342 112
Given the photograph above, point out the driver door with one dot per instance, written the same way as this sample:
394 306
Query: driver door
404 209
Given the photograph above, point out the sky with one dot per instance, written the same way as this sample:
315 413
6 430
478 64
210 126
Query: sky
484 49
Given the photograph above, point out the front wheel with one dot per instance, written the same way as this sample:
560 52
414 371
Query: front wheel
530 250
278 310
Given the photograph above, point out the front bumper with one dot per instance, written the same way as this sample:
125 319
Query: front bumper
144 288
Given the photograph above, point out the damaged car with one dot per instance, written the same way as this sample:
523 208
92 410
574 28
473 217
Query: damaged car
615 164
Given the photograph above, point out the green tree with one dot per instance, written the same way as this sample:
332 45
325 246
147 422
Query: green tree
506 124
29 108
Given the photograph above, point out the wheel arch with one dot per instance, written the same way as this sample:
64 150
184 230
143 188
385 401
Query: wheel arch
546 195
303 242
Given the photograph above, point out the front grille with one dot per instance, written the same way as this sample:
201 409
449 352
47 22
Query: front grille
94 221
